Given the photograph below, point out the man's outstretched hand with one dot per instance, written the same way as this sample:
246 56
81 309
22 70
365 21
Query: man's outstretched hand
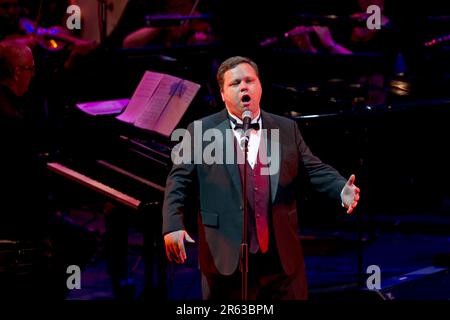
350 194
174 242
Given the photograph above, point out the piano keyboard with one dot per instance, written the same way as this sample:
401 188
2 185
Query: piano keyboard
94 185
130 175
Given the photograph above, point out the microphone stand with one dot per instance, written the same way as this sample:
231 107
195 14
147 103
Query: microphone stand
244 245
102 7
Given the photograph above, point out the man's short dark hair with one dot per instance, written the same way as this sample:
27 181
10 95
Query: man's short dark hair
231 63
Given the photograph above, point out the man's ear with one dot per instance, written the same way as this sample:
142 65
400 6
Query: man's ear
221 94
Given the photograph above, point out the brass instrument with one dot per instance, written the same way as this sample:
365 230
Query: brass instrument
55 38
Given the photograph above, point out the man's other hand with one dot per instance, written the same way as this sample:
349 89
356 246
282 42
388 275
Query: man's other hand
174 242
350 194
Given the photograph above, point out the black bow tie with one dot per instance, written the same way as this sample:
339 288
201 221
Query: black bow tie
237 126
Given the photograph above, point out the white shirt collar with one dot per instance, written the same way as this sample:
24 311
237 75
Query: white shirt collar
254 120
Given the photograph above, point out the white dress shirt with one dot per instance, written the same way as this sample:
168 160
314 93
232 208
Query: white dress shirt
254 140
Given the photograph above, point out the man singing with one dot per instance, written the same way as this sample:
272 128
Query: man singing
276 267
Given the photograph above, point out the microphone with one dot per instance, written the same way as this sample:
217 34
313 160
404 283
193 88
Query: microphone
246 119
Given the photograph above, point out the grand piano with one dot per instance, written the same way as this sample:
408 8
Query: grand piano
121 177
120 171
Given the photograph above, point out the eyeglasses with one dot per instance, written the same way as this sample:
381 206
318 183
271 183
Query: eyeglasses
32 69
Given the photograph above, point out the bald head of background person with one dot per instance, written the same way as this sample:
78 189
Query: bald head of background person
16 66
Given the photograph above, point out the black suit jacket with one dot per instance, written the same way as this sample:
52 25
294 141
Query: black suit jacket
220 197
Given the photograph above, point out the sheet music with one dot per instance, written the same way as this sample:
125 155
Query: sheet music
158 102
95 108
176 107
141 97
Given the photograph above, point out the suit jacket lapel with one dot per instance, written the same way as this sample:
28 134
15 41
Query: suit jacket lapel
269 124
232 168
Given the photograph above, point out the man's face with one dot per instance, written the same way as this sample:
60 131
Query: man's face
241 90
